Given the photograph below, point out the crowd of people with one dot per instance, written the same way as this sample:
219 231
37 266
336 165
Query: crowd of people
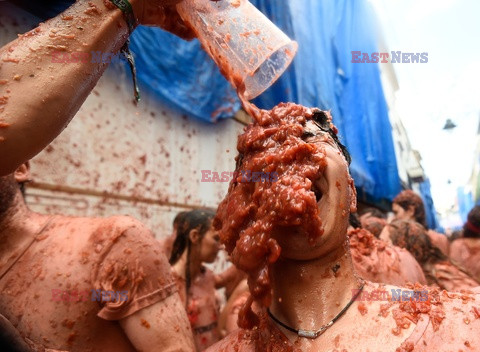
308 273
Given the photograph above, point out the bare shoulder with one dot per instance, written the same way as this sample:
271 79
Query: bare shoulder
466 244
238 341
444 321
94 223
457 325
417 318
99 232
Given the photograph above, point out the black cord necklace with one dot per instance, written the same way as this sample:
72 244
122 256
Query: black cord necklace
313 334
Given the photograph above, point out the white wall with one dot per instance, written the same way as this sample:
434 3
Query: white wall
408 160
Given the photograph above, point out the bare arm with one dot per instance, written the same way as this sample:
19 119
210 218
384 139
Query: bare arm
39 97
161 327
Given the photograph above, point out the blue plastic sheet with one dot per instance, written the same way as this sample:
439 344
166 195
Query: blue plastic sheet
430 214
465 202
182 75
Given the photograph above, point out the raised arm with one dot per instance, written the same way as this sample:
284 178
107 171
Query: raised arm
40 92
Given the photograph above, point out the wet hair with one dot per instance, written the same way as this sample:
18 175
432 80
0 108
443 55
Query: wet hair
199 219
408 198
179 220
472 226
22 188
413 237
455 235
374 225
354 221
374 212
324 122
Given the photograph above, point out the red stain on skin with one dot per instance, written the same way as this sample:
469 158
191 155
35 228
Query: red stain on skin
406 347
145 323
92 9
384 309
476 312
33 32
49 149
410 311
71 338
362 308
362 241
68 323
109 5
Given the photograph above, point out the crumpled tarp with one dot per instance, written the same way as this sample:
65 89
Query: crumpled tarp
430 214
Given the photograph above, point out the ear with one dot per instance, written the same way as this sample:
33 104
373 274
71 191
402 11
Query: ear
194 236
353 197
22 173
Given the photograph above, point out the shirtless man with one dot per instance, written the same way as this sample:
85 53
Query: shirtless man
373 260
38 99
466 250
85 284
290 238
439 270
378 261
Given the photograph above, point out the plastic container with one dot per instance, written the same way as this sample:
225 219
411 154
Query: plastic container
251 52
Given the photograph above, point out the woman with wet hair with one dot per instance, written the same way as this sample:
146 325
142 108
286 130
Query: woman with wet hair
408 205
466 250
438 268
290 237
197 243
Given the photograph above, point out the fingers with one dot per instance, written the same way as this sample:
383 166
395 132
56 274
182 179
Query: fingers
174 24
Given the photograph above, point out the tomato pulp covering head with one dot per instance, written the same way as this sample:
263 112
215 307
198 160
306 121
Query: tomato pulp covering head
253 211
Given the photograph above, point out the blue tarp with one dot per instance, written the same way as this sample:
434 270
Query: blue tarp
430 214
181 75
465 202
